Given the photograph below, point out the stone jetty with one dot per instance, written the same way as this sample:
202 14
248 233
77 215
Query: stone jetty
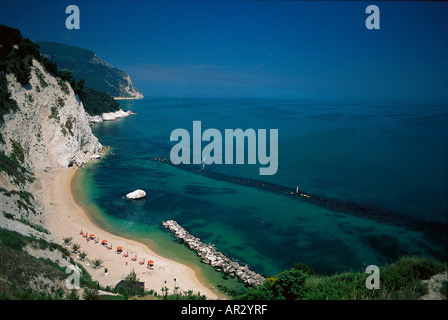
211 256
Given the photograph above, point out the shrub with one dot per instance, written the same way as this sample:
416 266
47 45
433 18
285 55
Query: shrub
96 102
54 113
69 125
90 294
443 289
6 103
83 256
407 269
288 285
67 240
304 268
17 151
400 280
97 263
12 240
73 295
12 167
76 247
50 66
41 78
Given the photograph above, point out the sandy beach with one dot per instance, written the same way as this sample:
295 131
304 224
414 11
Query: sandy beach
66 218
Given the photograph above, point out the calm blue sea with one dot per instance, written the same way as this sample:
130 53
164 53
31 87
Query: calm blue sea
390 156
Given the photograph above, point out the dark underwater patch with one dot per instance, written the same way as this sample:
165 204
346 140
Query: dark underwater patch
206 190
385 245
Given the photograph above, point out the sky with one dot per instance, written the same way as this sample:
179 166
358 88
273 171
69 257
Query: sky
272 49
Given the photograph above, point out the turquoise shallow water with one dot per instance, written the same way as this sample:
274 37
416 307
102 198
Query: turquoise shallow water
389 157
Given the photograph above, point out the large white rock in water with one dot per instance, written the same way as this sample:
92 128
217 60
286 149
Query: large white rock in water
137 194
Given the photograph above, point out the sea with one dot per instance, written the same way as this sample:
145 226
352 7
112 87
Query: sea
387 158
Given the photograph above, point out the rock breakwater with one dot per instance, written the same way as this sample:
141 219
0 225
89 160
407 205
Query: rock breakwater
211 256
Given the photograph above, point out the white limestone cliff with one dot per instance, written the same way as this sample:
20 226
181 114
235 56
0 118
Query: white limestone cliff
50 124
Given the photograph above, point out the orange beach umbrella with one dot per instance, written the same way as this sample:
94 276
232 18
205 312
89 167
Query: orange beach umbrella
150 261
119 248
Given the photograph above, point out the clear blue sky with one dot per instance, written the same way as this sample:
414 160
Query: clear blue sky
258 48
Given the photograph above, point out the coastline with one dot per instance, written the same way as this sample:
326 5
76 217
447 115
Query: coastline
66 217
128 98
109 116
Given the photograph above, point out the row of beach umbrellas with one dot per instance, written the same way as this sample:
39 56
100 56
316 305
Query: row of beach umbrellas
105 242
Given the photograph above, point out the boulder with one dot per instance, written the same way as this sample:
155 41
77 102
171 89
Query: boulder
137 194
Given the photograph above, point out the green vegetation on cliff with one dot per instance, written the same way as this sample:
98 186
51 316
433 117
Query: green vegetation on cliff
13 167
399 280
23 281
94 102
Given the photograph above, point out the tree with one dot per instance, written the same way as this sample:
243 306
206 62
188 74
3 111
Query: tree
305 268
76 247
23 72
290 284
78 86
83 256
65 75
10 36
50 66
97 263
67 240
96 102
131 279
28 48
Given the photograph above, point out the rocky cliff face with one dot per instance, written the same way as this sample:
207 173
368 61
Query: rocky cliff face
120 82
127 90
50 126
97 73
48 131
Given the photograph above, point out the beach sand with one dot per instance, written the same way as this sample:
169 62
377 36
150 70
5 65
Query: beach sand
64 217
